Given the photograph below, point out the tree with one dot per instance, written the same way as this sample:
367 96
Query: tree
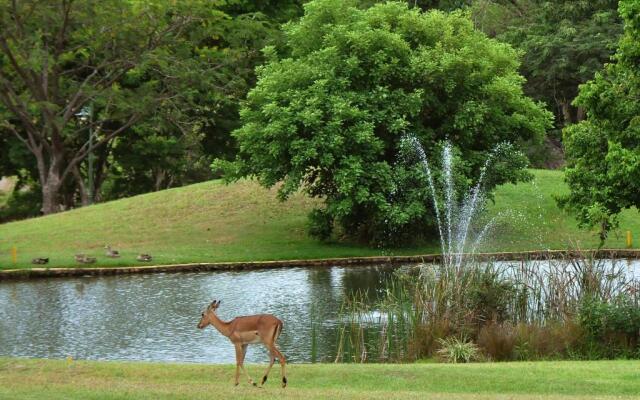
122 60
564 43
329 116
603 152
155 155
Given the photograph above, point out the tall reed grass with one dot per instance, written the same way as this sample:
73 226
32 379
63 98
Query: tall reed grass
515 310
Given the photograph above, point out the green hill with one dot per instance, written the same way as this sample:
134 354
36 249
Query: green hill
212 221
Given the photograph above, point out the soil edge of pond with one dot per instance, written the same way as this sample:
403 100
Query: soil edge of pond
32 273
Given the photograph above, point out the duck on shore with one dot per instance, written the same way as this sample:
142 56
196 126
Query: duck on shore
144 257
111 253
84 259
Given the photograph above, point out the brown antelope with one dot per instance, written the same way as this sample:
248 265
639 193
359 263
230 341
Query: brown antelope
242 331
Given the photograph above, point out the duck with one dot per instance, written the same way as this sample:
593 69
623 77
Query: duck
40 260
111 253
144 257
84 259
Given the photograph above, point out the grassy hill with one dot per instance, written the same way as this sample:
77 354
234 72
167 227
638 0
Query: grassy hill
212 221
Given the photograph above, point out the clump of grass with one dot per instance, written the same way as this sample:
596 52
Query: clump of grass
454 350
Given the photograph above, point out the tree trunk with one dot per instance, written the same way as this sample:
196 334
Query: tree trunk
160 176
51 181
566 112
82 188
50 195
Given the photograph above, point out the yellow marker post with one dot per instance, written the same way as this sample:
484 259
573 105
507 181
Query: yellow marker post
14 254
629 240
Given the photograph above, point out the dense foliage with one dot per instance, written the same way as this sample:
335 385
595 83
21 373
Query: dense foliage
603 152
158 84
564 44
329 116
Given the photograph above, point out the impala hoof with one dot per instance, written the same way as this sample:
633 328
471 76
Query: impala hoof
264 379
284 382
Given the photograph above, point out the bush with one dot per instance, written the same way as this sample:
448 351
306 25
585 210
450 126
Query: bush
22 203
498 341
490 297
320 224
456 350
612 328
553 340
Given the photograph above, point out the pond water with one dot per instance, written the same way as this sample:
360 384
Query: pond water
153 317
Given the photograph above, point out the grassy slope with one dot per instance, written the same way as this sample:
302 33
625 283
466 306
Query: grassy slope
35 379
214 222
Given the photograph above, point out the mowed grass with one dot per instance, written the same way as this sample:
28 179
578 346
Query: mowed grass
211 222
61 379
534 221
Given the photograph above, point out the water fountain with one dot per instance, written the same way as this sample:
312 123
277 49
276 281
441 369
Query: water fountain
454 219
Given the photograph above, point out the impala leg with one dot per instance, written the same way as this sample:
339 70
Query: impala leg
239 359
283 362
244 353
273 359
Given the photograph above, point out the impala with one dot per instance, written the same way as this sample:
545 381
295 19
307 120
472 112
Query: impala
243 331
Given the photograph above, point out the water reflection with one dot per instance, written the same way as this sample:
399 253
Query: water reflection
154 317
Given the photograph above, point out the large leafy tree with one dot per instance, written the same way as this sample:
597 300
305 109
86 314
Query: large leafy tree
603 152
329 116
121 61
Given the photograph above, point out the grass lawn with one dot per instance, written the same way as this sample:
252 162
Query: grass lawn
60 379
211 221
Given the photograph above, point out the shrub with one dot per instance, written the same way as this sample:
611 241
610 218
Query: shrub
320 224
554 340
456 350
613 328
426 339
22 203
498 341
490 296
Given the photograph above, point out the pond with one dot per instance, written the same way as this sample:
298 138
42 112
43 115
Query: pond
153 317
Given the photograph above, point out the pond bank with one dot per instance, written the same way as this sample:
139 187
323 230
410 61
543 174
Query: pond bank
11 274
70 379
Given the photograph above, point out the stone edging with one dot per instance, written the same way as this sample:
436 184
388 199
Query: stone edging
12 274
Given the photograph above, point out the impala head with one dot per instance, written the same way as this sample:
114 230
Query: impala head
208 314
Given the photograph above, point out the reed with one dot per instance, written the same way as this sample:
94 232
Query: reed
519 310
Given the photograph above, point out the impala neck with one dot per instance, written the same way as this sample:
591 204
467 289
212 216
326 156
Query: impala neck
220 325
